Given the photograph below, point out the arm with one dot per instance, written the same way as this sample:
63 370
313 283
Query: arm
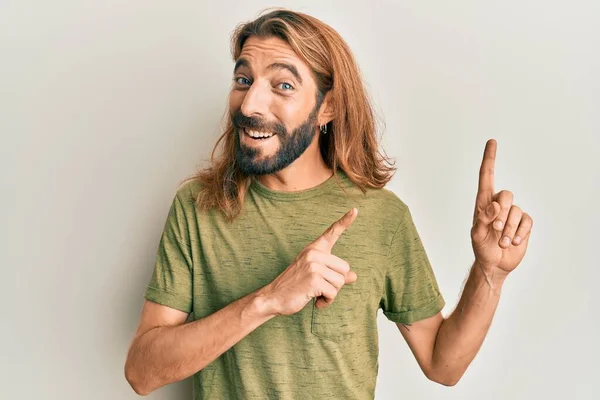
444 348
166 350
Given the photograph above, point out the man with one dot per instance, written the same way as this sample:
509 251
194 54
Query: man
283 302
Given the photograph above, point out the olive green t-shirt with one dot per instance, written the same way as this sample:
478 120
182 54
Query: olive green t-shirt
204 263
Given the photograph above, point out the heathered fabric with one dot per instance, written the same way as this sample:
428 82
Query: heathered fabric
204 263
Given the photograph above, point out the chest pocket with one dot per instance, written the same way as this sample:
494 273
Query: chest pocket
342 318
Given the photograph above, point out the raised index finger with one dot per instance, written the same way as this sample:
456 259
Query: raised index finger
486 172
327 240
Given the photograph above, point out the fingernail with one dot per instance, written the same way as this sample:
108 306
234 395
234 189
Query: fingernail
506 241
499 224
490 210
517 239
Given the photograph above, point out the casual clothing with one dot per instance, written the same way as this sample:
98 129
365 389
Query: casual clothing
204 263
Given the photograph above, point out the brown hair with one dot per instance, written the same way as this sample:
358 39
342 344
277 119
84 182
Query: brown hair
351 140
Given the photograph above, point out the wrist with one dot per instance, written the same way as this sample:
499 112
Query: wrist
263 303
493 275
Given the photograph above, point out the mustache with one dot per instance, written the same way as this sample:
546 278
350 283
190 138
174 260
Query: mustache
241 121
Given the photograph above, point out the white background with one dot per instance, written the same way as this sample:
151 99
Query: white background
105 106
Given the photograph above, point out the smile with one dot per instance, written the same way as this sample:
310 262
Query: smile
258 135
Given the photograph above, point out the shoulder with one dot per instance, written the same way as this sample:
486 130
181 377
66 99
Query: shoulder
393 209
187 192
390 200
382 196
385 202
381 210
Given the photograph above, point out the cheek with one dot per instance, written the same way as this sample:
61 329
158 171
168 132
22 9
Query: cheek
236 98
291 113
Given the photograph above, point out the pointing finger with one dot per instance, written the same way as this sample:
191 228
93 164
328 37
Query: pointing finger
327 240
486 171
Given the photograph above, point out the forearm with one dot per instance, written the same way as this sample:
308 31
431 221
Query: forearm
461 334
168 354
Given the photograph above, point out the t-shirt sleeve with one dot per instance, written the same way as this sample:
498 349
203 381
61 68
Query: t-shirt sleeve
171 282
411 292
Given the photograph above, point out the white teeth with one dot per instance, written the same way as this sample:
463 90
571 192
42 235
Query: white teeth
257 134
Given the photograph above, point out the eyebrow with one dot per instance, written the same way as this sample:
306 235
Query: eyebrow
289 67
242 62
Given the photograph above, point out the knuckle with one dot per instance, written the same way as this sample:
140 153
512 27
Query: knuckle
314 279
310 254
313 267
345 266
504 197
309 247
335 229
331 228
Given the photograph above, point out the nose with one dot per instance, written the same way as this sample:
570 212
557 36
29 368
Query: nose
256 101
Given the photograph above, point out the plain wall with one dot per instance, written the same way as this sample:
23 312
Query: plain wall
105 106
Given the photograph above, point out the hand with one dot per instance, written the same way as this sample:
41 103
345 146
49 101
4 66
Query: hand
499 246
314 273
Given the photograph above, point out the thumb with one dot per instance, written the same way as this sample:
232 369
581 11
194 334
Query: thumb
484 221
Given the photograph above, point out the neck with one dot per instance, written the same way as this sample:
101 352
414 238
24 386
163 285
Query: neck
307 171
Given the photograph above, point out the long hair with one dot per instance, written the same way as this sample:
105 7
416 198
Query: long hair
351 140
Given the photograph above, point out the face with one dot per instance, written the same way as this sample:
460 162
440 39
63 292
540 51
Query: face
273 106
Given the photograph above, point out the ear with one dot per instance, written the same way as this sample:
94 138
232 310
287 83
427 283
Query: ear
326 112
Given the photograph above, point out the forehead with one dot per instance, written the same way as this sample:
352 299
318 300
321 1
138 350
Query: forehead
260 52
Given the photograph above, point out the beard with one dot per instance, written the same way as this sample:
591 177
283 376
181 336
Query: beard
292 145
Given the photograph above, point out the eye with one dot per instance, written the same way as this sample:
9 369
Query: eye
242 81
286 86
